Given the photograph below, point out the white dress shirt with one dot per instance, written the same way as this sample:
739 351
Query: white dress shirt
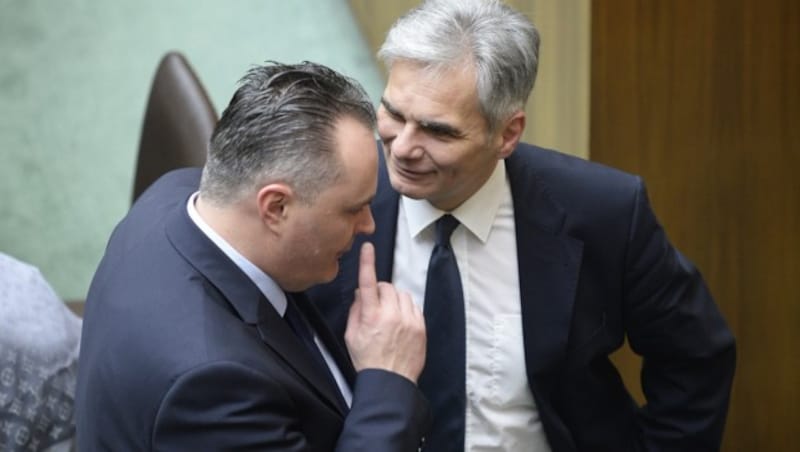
501 414
268 287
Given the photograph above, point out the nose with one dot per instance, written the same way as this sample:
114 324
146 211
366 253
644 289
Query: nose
405 144
366 223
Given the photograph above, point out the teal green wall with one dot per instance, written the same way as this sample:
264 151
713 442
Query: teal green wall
74 80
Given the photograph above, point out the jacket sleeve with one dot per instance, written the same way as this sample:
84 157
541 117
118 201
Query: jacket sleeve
388 414
688 351
229 406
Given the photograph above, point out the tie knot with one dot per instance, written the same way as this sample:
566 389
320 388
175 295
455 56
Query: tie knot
444 228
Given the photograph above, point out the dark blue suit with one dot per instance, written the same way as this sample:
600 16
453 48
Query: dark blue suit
181 351
594 266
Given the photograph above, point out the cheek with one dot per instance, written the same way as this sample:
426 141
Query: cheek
444 158
383 130
387 127
336 232
468 161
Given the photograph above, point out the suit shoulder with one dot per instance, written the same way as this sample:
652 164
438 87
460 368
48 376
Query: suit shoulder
569 177
549 161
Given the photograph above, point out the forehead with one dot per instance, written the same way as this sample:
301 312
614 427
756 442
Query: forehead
355 141
357 152
419 92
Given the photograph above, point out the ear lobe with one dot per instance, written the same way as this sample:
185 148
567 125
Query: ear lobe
511 133
273 200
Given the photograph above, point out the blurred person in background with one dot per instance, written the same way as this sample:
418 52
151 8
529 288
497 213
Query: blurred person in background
39 340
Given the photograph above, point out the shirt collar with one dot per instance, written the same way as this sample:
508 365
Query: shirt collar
274 294
477 213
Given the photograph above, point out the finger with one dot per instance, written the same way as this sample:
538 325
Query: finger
355 310
367 280
387 295
406 303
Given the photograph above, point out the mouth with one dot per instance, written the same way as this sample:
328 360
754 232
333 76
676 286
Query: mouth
410 174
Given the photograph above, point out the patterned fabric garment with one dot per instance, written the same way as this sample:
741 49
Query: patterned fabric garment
39 341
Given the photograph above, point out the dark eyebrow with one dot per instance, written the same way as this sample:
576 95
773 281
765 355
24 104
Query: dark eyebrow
433 127
440 128
393 111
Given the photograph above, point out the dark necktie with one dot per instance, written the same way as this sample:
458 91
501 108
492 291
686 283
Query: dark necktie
443 379
298 323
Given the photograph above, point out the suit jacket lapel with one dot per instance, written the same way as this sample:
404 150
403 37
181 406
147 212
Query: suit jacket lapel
248 302
327 337
385 212
275 332
549 263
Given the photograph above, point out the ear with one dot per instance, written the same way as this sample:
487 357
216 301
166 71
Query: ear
273 201
510 133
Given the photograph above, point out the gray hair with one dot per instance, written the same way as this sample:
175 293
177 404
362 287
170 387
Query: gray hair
498 41
279 127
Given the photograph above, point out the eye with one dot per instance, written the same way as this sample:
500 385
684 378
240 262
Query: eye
391 111
356 210
395 115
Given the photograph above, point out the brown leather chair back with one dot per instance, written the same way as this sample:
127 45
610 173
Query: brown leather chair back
177 124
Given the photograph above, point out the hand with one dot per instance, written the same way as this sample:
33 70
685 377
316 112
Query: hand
385 329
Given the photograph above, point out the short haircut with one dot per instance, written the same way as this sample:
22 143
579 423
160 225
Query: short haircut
498 41
280 127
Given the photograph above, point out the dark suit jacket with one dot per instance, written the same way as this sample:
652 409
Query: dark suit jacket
181 351
594 266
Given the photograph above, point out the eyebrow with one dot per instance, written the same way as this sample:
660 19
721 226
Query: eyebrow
360 204
434 127
390 108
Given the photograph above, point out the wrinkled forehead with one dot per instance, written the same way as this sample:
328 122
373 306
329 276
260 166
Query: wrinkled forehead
421 91
438 70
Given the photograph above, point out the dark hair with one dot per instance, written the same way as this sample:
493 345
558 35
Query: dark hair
279 127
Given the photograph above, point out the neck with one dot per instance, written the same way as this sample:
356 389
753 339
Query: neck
233 223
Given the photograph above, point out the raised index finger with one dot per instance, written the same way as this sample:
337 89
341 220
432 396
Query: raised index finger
367 280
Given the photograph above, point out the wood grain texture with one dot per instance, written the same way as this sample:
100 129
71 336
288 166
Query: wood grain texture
701 98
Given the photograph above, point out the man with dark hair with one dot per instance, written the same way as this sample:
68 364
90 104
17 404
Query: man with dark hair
533 266
197 335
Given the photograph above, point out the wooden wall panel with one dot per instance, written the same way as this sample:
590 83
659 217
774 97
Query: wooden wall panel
376 17
702 99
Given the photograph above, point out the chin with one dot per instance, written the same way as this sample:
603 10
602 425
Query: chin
412 193
331 275
406 188
314 280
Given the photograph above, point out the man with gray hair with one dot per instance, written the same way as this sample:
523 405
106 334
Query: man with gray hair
197 334
532 266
